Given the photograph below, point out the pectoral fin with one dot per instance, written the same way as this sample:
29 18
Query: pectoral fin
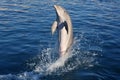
54 26
66 26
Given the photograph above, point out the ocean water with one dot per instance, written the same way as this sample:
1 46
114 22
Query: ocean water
28 50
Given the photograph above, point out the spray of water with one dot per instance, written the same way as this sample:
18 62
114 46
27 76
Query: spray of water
49 63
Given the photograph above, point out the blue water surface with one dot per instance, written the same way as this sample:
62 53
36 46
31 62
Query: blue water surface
25 35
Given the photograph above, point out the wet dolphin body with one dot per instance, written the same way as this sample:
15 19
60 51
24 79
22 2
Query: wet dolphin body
63 25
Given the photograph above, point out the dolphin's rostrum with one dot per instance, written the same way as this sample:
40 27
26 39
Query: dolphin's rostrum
64 25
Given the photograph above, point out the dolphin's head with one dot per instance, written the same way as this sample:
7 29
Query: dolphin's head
60 12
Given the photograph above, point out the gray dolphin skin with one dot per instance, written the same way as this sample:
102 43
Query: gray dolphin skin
63 25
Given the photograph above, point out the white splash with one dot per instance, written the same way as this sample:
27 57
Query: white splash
58 63
48 62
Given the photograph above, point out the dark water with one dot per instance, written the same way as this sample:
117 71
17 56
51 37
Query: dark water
25 35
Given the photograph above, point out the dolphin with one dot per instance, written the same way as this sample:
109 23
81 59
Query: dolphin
63 25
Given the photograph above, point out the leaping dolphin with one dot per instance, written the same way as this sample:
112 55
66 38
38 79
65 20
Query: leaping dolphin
64 26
